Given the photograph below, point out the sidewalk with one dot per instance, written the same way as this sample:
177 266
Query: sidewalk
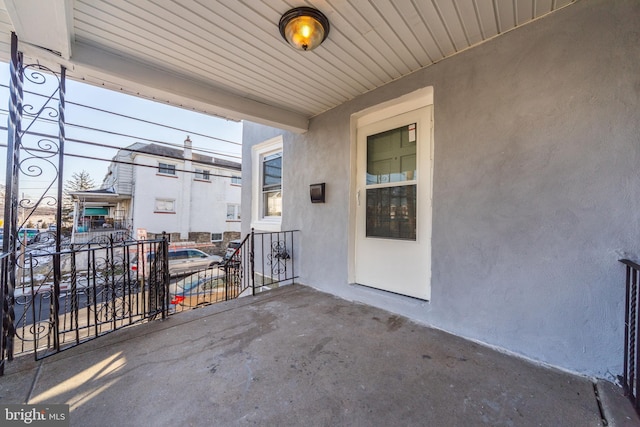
295 356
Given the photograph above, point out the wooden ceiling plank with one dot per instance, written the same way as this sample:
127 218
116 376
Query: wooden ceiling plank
176 66
542 7
525 11
452 23
198 59
469 21
303 65
403 41
487 17
436 27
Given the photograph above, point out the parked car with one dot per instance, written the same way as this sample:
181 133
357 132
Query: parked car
231 248
201 288
182 261
27 235
44 238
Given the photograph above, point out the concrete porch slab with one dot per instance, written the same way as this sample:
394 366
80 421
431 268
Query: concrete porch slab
296 356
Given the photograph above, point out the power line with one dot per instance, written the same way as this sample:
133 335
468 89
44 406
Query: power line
52 121
81 156
79 141
135 118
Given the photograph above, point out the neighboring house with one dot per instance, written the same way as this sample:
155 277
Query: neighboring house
489 195
155 189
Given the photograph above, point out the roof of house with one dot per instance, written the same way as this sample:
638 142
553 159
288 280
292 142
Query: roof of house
178 154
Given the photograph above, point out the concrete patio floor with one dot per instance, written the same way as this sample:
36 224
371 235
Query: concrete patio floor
295 356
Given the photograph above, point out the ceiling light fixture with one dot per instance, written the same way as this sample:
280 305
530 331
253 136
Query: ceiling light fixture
304 28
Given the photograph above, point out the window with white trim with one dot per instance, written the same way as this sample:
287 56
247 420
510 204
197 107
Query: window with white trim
165 206
166 169
203 174
216 237
272 185
236 180
233 212
267 186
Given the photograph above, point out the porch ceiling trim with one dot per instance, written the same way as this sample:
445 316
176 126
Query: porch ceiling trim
58 16
99 66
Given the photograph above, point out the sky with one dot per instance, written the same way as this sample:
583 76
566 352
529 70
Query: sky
114 129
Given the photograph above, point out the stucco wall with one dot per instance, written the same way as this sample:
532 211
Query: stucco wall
536 188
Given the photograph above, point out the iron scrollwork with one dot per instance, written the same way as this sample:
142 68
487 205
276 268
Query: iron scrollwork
278 257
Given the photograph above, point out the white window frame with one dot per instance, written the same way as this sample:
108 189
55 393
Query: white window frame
258 153
217 240
203 175
236 180
236 212
160 172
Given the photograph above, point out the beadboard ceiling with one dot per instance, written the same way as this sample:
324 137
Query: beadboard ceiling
227 58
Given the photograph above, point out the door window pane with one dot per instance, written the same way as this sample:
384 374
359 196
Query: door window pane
391 156
391 212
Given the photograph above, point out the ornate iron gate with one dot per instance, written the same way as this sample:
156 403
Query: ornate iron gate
29 155
54 295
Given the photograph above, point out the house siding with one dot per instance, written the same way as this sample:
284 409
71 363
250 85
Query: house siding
535 190
200 209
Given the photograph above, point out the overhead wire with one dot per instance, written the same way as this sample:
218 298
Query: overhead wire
200 150
196 150
113 160
134 118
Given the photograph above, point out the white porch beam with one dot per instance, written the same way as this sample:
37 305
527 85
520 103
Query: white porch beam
98 66
46 24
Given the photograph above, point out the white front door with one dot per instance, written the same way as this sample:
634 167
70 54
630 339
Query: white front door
393 204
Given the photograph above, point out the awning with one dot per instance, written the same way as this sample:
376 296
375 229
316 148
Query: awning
96 211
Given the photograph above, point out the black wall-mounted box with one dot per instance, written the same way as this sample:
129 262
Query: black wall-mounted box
316 191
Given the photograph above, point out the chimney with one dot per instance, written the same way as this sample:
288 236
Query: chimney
188 154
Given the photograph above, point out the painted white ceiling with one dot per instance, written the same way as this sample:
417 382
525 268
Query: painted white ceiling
226 57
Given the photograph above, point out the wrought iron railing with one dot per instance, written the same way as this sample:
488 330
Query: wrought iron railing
631 369
5 306
97 292
274 259
64 298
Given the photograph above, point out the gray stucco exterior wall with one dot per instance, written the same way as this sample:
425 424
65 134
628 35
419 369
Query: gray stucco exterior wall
535 195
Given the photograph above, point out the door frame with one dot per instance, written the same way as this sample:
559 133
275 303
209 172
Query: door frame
409 102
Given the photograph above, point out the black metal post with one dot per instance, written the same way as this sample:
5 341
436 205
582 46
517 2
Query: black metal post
625 374
9 244
252 262
165 275
57 273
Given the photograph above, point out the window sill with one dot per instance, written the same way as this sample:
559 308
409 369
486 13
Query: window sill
267 225
202 180
166 175
164 212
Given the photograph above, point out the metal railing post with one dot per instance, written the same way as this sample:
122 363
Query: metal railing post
165 276
631 367
252 262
